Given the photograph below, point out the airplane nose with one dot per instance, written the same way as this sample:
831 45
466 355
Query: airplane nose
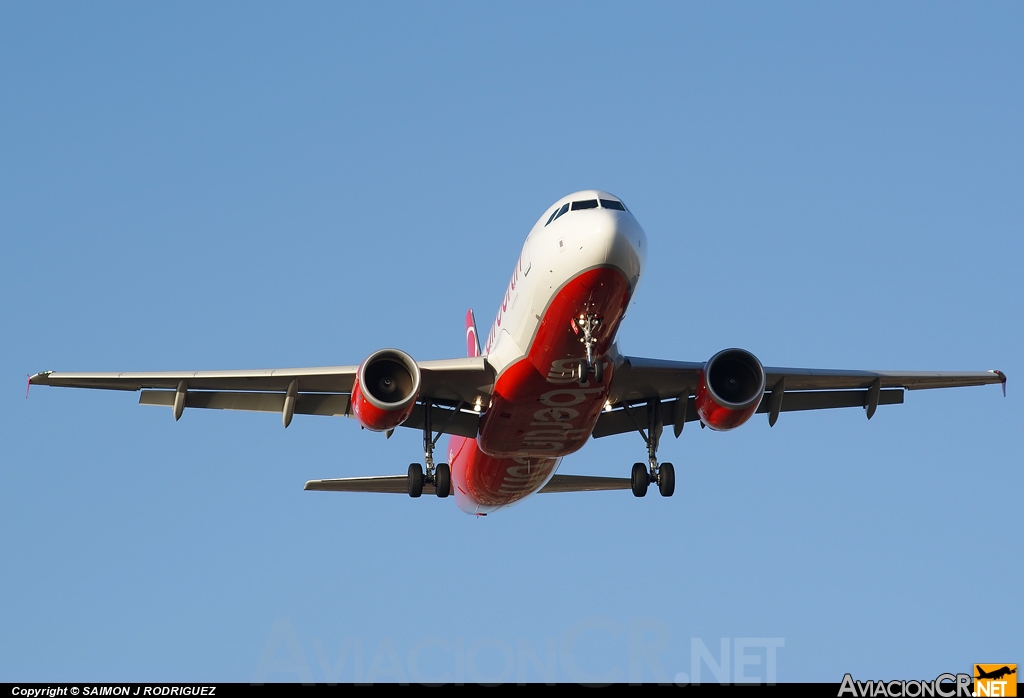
621 241
592 234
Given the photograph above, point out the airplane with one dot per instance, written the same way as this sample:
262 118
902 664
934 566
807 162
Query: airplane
548 377
996 674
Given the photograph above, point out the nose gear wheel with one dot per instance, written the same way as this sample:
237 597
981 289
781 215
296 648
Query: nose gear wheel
585 325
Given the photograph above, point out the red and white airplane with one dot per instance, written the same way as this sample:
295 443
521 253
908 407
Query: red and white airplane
548 377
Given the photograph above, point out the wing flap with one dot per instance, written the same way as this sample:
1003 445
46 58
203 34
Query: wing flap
619 421
799 401
444 420
313 403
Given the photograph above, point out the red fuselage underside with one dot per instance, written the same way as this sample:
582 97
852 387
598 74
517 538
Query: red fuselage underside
539 412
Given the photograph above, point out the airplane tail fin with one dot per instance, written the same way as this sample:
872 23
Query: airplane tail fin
472 339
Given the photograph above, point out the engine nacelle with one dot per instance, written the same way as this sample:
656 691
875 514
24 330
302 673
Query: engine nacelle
385 389
730 389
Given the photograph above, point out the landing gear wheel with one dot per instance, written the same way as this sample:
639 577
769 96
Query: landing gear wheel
415 480
598 370
443 480
639 480
584 371
666 479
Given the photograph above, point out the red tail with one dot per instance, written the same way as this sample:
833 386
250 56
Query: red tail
472 340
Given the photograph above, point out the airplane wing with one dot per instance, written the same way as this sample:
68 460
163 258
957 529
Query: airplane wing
585 483
397 484
385 484
320 390
673 383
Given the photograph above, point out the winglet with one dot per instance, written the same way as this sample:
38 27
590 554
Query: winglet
472 338
38 379
1002 379
28 384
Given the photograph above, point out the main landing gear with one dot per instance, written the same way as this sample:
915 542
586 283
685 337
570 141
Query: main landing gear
586 326
441 475
663 474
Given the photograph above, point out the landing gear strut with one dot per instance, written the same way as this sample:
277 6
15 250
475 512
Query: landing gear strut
441 475
586 326
663 474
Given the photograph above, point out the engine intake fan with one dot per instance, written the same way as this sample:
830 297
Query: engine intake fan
730 389
385 389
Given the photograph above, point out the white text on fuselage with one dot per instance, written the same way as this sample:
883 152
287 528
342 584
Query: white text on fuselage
558 423
509 298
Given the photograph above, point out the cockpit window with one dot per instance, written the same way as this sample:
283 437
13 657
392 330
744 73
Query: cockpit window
585 204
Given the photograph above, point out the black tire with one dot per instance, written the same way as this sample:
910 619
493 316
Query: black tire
443 480
599 371
584 371
666 480
415 480
639 480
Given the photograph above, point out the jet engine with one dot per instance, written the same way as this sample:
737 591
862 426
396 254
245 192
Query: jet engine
730 389
385 389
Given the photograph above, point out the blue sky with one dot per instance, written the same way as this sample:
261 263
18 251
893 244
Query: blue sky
247 185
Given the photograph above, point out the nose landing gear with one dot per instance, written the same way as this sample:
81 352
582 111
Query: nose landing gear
586 326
